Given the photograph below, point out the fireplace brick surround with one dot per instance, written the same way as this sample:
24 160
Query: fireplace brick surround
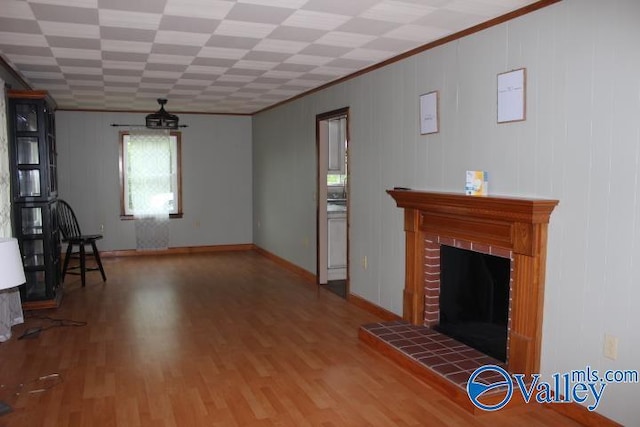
505 226
432 270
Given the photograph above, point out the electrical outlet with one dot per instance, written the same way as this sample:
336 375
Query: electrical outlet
364 262
101 228
610 347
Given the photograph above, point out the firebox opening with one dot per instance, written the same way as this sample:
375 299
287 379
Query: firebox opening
474 299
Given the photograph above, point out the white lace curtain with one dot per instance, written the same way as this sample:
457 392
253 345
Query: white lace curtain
149 181
10 304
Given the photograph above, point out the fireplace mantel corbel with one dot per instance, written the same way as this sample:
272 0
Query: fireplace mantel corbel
518 225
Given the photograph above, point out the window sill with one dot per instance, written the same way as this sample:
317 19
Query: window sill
131 217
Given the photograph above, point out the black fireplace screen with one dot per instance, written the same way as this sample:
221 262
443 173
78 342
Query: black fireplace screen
474 299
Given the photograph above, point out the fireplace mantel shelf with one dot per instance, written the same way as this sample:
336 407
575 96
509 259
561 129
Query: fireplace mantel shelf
517 226
517 209
508 222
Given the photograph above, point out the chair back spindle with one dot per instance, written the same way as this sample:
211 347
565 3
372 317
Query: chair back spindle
68 222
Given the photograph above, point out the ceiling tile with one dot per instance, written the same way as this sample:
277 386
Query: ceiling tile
122 72
307 59
62 52
18 39
397 11
167 62
244 29
44 75
373 27
315 20
74 43
235 78
126 46
16 9
260 14
324 50
369 55
480 8
120 19
64 29
449 19
73 3
390 45
255 65
280 46
11 25
221 52
40 67
95 71
192 82
340 38
416 33
77 15
232 42
126 57
298 68
119 33
283 75
153 6
296 34
332 71
181 38
257 55
163 77
170 49
342 7
30 55
209 9
188 24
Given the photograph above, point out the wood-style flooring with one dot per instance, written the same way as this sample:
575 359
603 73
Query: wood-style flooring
220 339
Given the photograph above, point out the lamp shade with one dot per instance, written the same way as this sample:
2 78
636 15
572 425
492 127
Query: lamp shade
11 271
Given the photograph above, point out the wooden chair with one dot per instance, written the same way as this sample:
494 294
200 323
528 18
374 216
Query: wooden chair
72 235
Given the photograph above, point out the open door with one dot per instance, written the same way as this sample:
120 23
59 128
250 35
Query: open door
332 141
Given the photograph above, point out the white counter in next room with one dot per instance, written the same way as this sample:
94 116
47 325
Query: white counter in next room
337 241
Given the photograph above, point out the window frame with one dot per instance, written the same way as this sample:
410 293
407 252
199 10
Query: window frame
178 136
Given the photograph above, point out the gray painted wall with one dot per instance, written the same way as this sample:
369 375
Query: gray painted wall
216 177
580 144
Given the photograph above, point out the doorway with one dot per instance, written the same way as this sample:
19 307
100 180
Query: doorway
332 142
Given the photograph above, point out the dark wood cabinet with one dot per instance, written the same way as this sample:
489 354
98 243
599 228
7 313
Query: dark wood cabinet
34 190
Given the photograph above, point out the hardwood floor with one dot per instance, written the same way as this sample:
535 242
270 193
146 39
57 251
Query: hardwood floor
220 339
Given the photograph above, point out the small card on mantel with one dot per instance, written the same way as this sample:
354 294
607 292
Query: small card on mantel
477 183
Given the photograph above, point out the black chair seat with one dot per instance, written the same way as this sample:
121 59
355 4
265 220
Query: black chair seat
85 238
72 235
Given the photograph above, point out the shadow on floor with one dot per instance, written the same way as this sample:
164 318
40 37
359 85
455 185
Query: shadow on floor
338 287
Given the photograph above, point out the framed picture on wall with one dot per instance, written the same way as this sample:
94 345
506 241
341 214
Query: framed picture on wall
512 96
429 113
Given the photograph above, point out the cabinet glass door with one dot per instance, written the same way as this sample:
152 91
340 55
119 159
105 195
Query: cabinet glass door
31 220
36 287
33 253
26 117
29 182
28 150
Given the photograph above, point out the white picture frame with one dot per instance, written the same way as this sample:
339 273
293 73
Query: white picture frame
429 120
512 90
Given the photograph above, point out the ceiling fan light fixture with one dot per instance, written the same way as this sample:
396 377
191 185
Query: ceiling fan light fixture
161 119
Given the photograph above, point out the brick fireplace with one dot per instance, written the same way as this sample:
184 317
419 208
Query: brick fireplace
515 228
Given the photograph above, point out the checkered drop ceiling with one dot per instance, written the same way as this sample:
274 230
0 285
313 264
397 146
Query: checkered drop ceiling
217 56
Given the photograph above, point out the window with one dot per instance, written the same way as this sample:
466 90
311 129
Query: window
150 175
